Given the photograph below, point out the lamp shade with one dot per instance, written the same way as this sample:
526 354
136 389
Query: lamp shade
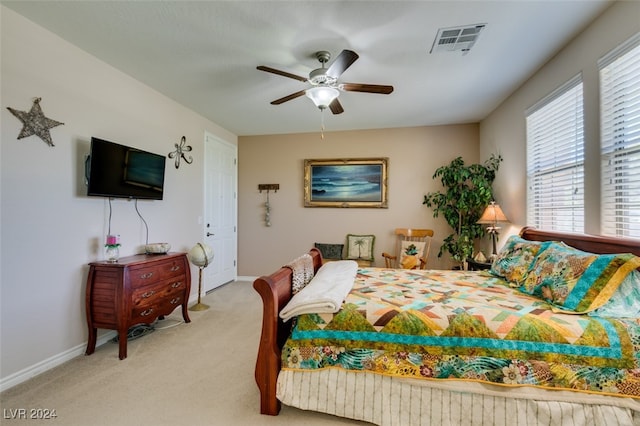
322 96
492 215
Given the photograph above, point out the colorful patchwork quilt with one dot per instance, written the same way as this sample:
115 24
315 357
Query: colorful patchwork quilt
466 326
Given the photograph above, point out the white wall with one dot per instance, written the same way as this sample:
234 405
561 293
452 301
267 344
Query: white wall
49 230
504 130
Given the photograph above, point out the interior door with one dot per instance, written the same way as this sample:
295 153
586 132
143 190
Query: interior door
220 204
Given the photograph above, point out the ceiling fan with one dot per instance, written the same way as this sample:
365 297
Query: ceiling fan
325 88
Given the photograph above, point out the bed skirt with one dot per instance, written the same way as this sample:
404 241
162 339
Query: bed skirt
385 401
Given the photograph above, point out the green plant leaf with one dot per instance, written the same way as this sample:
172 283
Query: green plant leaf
467 191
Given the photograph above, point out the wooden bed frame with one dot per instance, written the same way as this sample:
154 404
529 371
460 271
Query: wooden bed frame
275 291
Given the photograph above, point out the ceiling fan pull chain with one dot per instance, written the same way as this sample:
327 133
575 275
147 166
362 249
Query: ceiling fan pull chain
322 123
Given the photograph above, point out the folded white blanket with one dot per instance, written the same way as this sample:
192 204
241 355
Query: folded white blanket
325 292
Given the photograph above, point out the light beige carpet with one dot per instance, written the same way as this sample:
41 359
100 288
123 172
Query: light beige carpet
193 374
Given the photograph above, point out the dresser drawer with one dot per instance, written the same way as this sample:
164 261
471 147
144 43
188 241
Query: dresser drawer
153 273
148 313
151 293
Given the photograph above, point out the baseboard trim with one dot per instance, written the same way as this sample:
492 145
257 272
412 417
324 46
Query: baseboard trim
49 363
56 360
245 278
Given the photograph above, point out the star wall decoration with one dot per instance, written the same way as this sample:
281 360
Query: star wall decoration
179 152
35 123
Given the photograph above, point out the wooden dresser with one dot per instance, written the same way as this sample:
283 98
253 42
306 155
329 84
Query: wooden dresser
135 290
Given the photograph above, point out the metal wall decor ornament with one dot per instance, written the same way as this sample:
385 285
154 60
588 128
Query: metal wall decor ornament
179 152
267 205
35 123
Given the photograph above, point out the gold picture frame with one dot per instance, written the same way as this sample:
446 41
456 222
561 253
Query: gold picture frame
352 182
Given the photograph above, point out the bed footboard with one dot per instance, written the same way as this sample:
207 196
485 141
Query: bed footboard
275 291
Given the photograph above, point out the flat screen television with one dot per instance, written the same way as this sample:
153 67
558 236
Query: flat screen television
119 171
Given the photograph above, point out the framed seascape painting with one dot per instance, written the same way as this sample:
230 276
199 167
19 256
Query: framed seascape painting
346 183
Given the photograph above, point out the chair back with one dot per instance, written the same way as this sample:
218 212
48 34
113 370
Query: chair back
412 249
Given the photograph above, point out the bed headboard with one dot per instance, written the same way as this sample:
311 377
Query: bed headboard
590 243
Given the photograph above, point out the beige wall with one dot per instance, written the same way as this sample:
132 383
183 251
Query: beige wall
49 229
414 155
504 130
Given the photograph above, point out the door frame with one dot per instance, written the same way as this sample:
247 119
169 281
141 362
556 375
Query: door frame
211 137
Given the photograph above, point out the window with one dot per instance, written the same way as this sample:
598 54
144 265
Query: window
555 160
620 140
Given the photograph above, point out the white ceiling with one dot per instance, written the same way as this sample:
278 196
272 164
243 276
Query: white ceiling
204 54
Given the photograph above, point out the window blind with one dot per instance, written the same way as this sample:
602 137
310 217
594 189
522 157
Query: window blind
620 140
555 160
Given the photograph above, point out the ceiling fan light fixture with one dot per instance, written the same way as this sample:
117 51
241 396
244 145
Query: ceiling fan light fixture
322 96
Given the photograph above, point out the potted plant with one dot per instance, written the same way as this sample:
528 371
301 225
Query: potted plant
467 191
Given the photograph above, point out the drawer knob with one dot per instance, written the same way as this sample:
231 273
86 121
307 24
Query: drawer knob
175 268
146 276
176 284
146 312
175 300
148 294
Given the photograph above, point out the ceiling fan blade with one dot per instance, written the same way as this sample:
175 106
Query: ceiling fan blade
336 107
341 63
282 73
370 88
288 98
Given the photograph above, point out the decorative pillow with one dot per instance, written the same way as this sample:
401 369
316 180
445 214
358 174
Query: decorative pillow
515 258
360 246
625 302
577 281
330 251
410 254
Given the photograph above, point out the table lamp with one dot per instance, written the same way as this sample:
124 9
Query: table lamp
491 216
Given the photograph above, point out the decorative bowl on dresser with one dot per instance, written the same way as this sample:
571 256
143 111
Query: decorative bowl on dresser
135 290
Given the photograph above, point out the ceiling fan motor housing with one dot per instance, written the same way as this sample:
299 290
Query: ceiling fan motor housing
319 77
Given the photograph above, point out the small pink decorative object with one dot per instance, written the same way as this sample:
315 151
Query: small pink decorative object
112 250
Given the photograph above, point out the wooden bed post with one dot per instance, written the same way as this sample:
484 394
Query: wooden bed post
275 291
268 361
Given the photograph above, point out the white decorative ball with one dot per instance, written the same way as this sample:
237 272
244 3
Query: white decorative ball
201 255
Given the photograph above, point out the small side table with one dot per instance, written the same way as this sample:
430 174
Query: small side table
478 266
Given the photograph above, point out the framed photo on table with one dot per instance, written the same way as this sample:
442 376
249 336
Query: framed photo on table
346 182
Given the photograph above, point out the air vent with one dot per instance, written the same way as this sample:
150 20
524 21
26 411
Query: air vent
456 39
